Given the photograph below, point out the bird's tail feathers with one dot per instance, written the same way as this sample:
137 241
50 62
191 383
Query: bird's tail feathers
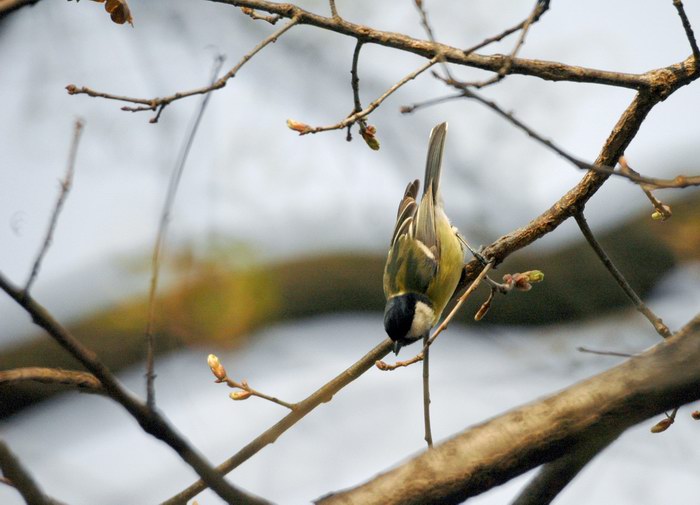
433 163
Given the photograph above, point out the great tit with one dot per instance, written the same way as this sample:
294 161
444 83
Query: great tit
425 257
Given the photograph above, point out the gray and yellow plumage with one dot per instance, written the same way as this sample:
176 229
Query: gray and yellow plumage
425 258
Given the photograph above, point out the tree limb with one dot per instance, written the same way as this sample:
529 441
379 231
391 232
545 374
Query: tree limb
548 70
553 477
150 420
498 450
21 480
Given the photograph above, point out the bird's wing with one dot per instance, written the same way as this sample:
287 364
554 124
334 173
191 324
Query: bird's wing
407 211
411 266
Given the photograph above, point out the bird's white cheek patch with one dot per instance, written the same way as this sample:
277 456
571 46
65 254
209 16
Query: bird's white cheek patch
422 320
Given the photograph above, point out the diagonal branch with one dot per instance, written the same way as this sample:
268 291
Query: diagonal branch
494 452
322 395
158 104
678 4
21 480
150 420
553 477
548 70
66 184
655 320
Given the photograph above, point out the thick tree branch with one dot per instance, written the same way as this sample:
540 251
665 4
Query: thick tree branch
81 380
494 452
548 70
555 476
150 420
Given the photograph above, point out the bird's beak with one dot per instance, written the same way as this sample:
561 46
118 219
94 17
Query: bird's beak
397 347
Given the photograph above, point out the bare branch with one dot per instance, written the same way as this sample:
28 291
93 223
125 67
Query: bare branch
555 476
158 104
426 392
21 480
162 230
655 321
320 396
605 353
361 115
66 184
74 378
678 4
272 19
509 31
150 420
552 71
540 8
334 10
491 453
680 181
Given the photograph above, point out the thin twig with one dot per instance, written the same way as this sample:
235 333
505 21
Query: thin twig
158 104
74 378
334 10
246 387
66 184
540 8
662 210
150 420
442 327
322 395
162 231
361 115
605 353
272 18
680 181
355 85
655 321
431 36
21 480
688 29
426 393
508 31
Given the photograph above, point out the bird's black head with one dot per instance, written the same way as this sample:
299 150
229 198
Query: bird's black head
407 318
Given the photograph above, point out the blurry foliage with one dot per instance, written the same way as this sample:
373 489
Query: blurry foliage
222 301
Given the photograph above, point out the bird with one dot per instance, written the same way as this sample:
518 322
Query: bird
426 256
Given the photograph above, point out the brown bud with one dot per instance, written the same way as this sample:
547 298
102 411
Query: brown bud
695 415
662 425
368 134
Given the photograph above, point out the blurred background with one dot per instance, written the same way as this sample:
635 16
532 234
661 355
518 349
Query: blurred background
275 249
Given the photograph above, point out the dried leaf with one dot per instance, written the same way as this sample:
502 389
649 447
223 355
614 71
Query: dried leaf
118 10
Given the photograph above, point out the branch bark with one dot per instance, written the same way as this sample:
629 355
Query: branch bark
150 420
494 452
547 70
